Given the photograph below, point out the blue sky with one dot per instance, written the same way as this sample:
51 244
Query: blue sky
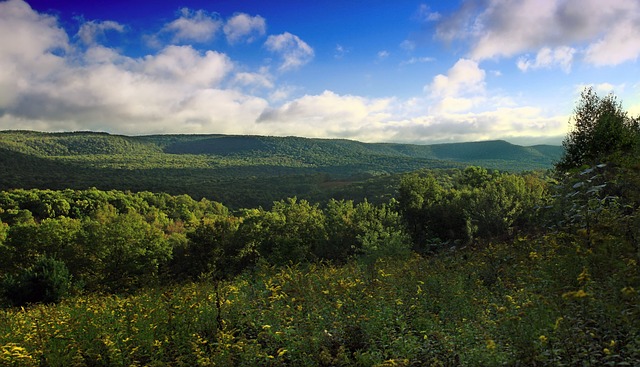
375 71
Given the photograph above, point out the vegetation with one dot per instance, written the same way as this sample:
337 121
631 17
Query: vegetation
240 171
472 267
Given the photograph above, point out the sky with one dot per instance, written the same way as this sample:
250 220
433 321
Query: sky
375 71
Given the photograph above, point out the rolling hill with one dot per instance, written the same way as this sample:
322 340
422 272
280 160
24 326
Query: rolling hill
238 170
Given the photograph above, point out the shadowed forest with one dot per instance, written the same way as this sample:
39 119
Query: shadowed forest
326 253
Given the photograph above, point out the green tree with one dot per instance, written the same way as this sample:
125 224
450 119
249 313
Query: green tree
212 249
342 234
601 130
47 281
125 250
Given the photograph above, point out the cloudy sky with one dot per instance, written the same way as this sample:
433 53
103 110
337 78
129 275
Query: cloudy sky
375 71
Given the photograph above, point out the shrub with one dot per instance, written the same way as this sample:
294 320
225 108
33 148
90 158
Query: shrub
47 281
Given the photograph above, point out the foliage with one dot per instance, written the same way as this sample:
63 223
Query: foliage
240 171
601 130
477 204
47 281
507 269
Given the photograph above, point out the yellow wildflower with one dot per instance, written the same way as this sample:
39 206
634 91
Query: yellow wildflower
557 324
577 294
628 291
491 345
606 351
543 339
584 276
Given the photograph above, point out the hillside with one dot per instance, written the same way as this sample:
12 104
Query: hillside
238 170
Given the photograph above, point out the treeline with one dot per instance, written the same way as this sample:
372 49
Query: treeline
114 241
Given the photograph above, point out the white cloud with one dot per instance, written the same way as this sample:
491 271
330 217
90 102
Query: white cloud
610 33
345 116
340 51
620 44
601 88
244 27
417 60
325 115
383 54
178 89
425 14
408 45
193 26
464 78
294 51
91 31
547 58
183 64
27 55
261 79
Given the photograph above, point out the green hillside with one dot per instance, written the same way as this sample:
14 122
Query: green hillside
241 171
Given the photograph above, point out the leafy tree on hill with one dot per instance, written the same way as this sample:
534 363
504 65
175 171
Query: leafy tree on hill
602 130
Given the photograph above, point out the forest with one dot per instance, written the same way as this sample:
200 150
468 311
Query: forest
457 265
241 171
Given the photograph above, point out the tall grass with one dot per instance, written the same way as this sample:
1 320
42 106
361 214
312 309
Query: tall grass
543 301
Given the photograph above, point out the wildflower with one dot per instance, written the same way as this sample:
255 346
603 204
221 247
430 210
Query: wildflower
606 351
557 324
491 345
584 276
543 339
577 294
628 291
612 343
533 255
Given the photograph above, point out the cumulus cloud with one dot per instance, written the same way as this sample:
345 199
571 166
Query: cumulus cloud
178 89
609 33
91 31
193 26
294 51
547 58
326 115
463 78
183 64
261 79
346 116
244 27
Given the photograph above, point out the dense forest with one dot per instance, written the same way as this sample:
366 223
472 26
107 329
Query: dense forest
241 171
460 265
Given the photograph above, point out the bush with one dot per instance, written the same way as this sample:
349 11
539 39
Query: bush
47 281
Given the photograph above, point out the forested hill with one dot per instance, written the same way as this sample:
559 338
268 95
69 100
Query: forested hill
237 170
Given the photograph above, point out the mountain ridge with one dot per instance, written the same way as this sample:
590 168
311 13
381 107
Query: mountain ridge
239 170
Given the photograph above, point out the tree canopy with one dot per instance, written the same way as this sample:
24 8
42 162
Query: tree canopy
602 130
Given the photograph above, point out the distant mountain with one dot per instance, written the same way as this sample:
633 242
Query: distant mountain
235 170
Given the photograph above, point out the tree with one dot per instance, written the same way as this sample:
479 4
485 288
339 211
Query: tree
47 281
601 131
